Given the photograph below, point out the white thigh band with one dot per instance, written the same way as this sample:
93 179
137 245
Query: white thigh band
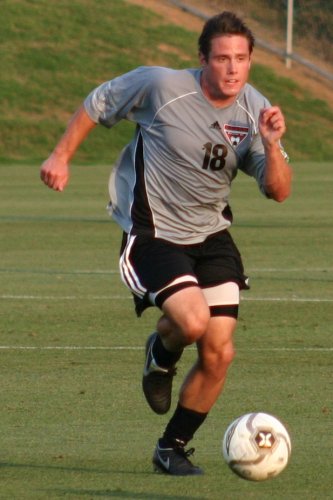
221 295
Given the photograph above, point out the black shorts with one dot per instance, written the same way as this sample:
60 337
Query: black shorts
153 269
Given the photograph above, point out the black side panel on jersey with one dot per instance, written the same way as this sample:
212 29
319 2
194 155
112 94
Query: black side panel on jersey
141 214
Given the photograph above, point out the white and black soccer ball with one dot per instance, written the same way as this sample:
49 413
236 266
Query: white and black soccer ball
256 446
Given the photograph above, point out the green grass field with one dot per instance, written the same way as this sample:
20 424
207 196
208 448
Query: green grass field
73 421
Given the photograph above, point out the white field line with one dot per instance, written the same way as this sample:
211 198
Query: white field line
65 297
286 299
128 297
141 348
290 270
116 271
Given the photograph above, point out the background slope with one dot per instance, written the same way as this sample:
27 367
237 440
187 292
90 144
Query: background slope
54 53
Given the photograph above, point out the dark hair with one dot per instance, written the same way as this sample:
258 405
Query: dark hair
226 23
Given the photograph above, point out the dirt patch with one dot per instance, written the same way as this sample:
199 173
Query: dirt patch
315 84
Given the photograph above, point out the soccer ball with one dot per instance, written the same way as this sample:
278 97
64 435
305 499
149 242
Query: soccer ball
256 446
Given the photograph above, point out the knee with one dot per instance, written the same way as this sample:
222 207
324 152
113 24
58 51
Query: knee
216 363
194 326
228 354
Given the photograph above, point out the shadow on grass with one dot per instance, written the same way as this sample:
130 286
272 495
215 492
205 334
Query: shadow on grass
107 493
65 468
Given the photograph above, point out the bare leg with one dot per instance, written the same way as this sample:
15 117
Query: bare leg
205 380
186 320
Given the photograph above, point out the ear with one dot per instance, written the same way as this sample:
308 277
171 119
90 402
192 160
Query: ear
202 59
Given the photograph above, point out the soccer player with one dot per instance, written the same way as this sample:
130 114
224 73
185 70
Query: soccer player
169 192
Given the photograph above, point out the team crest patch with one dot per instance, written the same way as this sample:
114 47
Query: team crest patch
236 134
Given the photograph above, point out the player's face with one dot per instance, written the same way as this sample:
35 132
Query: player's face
226 70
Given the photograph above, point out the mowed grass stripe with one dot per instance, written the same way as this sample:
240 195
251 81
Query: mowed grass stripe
141 348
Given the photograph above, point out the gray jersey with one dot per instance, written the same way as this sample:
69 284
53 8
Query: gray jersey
173 180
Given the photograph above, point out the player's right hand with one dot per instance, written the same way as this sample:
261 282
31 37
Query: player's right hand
55 173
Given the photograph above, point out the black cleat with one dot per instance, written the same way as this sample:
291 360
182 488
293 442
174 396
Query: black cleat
157 381
175 461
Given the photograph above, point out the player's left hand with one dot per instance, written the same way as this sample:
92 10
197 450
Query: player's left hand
272 125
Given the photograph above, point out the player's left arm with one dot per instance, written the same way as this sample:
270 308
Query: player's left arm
278 174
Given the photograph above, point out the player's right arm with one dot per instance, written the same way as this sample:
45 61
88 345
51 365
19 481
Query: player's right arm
55 170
